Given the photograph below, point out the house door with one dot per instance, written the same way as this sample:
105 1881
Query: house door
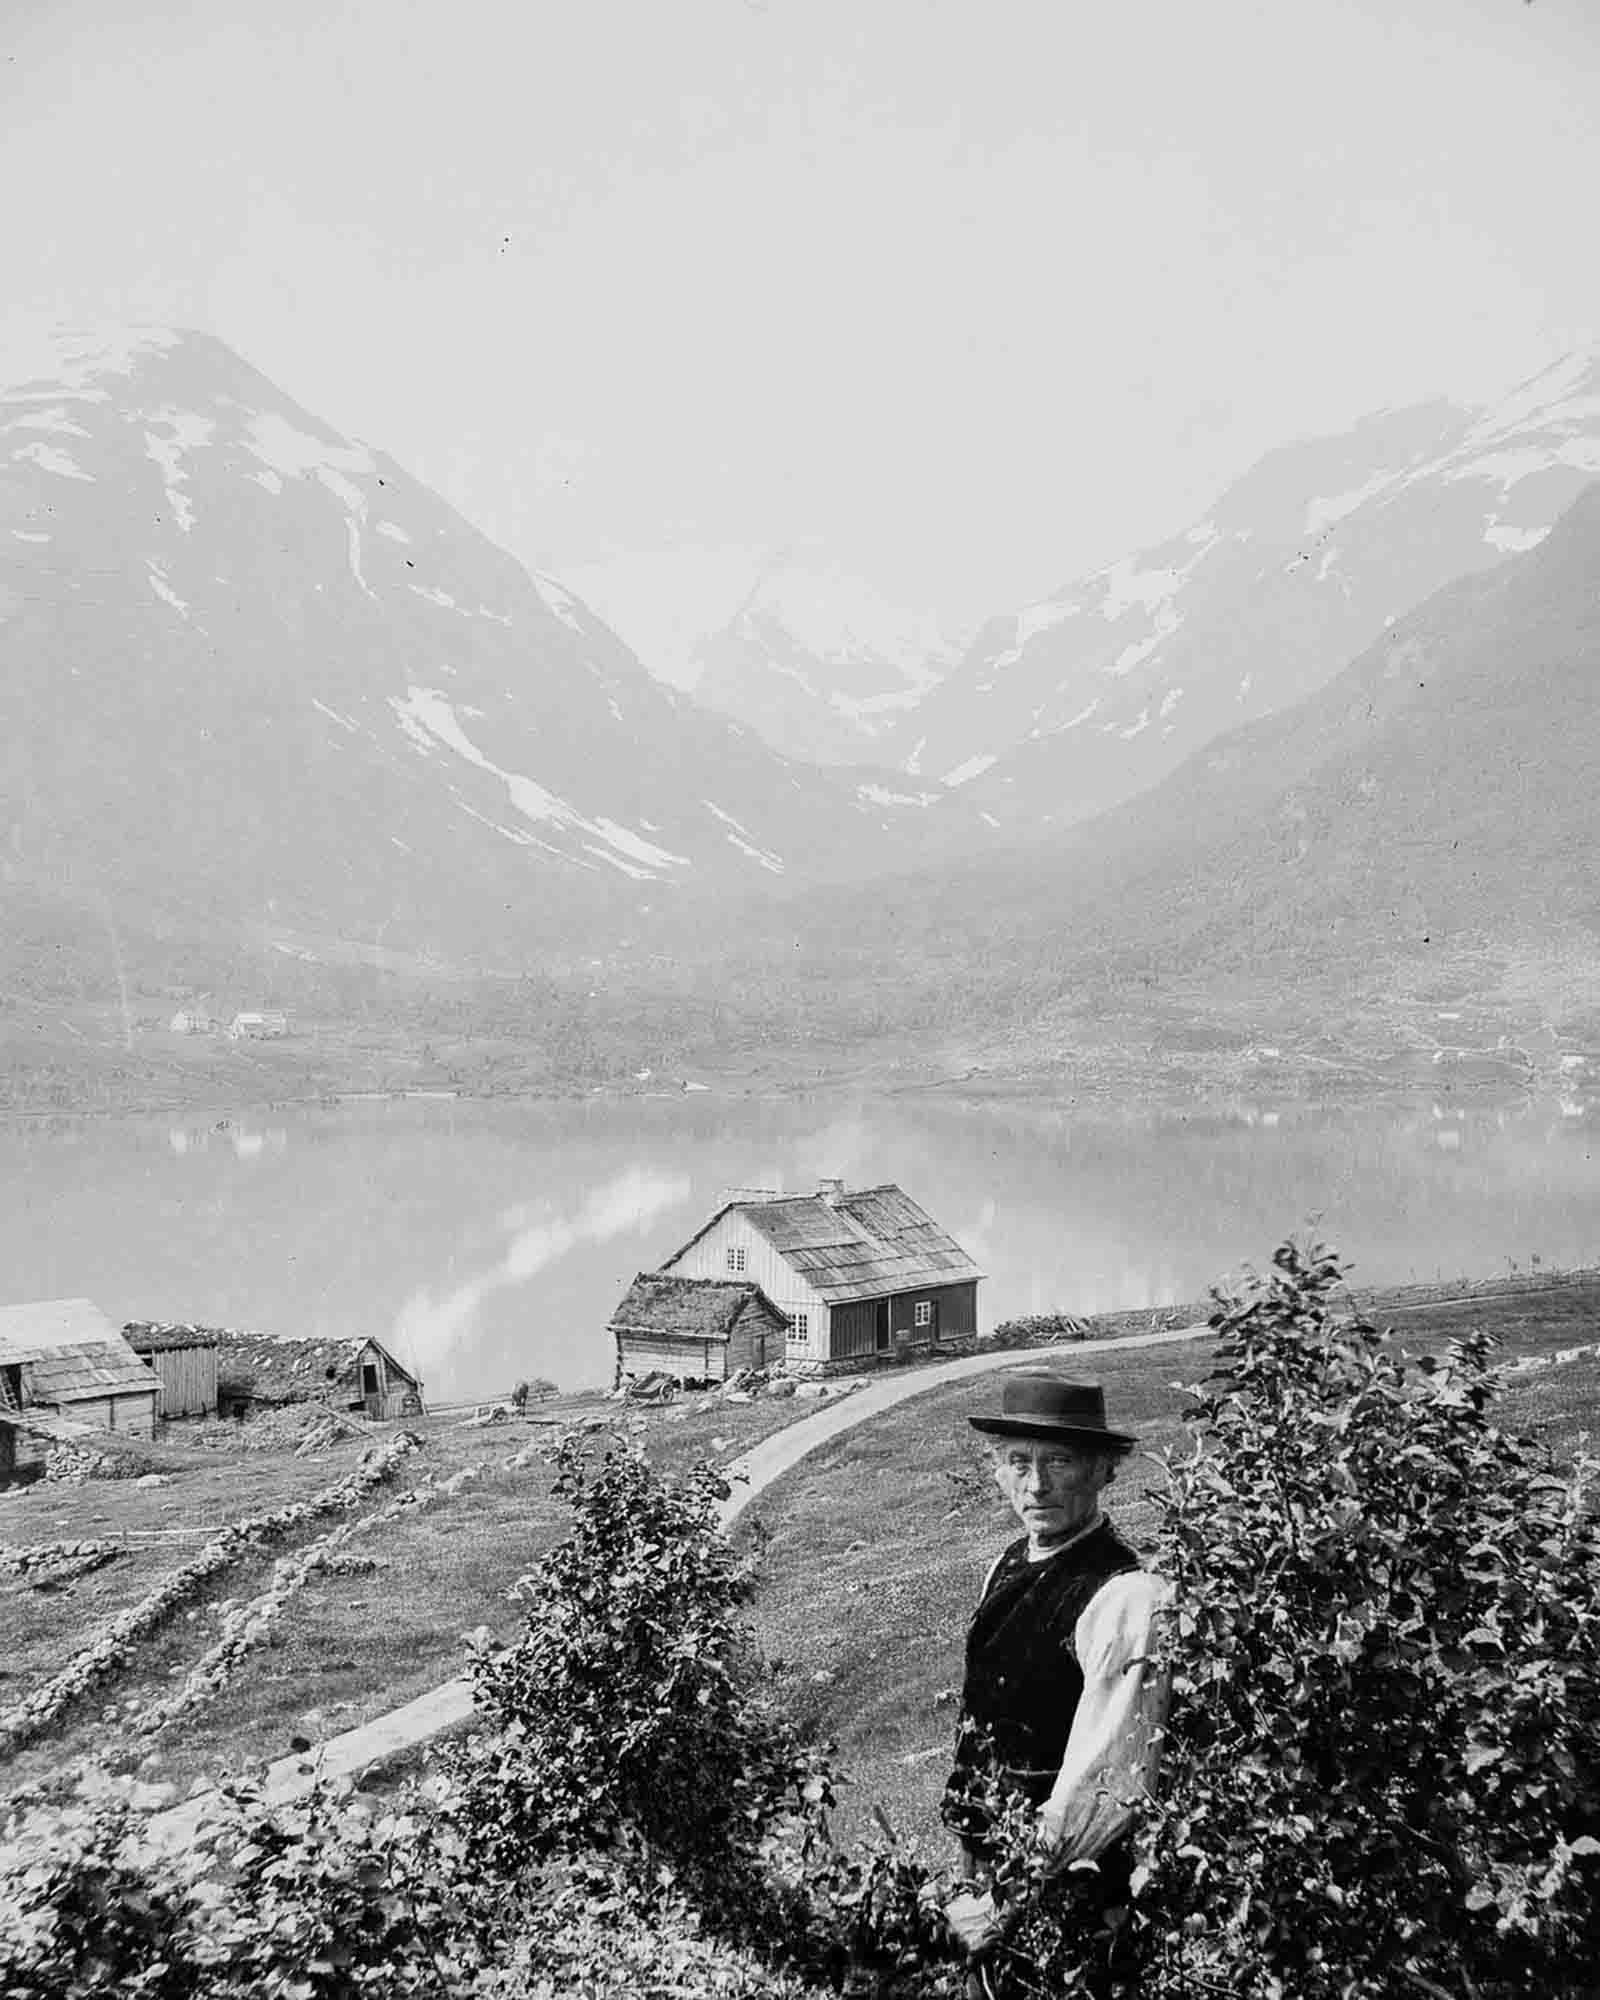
881 1327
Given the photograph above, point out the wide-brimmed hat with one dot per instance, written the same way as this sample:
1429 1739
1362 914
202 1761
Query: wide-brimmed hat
1037 1405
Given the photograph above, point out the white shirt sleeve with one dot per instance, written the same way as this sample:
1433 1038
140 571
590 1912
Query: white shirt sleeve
1115 1743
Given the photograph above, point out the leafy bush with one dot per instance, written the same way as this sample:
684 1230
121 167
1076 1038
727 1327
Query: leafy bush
1382 1775
633 1710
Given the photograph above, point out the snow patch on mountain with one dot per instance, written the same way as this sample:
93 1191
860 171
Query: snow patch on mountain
1543 397
188 431
71 358
1324 512
838 617
344 721
288 450
164 590
974 767
426 710
54 420
1127 585
739 839
1515 541
880 795
869 706
50 459
559 599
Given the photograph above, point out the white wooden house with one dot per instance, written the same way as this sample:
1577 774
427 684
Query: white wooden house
260 1025
857 1273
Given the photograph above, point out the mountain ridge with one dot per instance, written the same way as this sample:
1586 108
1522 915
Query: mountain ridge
259 679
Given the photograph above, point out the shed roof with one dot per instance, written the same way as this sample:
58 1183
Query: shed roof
692 1308
150 1336
72 1350
857 1244
282 1369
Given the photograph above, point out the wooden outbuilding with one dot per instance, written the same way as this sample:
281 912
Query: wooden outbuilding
185 1362
858 1274
265 1024
263 1371
702 1329
66 1359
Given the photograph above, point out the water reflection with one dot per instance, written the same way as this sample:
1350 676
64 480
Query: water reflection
241 1140
494 1240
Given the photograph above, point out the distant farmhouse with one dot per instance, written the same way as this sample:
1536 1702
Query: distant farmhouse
854 1274
704 1329
64 1363
192 1021
262 1025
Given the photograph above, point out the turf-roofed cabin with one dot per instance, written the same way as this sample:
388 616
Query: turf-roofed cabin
701 1329
858 1273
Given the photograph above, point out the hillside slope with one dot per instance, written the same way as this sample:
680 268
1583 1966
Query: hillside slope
1091 695
1436 796
257 682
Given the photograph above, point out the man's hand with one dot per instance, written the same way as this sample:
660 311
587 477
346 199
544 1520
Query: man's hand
974 1920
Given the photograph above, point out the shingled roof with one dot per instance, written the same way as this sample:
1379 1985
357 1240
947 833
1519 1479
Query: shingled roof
72 1351
857 1244
690 1308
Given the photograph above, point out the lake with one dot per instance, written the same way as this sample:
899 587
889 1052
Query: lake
487 1241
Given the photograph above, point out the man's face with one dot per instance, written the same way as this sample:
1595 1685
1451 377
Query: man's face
1053 1488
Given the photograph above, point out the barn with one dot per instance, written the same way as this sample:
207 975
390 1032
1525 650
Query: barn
64 1358
703 1329
858 1274
263 1371
185 1362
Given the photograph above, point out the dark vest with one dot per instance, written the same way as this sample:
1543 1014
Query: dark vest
1023 1681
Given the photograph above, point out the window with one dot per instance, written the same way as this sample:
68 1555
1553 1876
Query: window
736 1257
799 1334
923 1316
369 1379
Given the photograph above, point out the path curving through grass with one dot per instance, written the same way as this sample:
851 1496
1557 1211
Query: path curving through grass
450 1705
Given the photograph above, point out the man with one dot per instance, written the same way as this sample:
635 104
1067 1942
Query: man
1063 1702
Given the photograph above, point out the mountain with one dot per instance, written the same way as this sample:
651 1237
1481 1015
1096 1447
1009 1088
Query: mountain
811 657
1426 815
1089 696
256 680
819 664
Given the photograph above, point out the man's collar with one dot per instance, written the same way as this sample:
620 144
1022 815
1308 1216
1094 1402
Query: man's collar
1095 1520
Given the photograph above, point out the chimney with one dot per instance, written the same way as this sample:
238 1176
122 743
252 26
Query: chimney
831 1191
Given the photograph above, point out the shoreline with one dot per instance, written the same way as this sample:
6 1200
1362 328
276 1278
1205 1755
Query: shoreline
1105 1079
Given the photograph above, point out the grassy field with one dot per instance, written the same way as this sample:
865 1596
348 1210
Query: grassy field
351 1646
873 1552
875 1549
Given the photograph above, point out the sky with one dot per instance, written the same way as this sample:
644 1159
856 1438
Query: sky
961 297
